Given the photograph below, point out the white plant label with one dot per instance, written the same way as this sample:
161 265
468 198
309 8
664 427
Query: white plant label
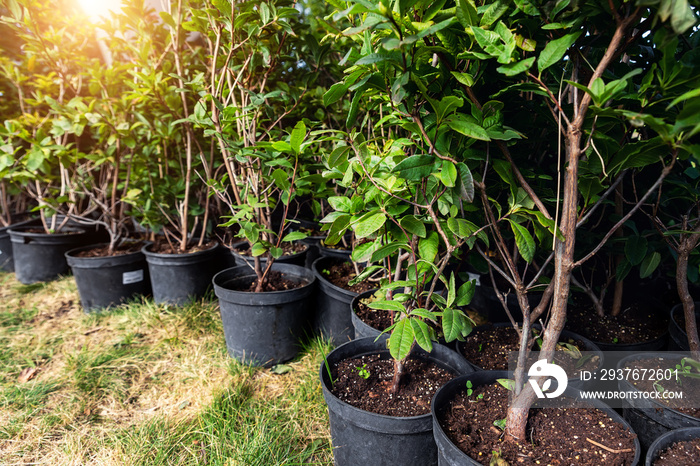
132 277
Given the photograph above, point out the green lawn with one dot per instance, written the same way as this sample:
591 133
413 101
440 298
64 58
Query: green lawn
145 384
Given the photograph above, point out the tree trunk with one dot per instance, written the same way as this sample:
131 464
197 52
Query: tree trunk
687 244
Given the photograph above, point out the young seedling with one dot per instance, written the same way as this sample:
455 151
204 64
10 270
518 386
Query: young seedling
363 371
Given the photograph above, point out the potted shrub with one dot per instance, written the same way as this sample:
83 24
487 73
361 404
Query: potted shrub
265 305
170 195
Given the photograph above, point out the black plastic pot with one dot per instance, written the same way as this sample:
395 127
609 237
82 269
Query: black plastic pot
649 418
334 252
6 259
110 280
589 346
679 338
40 257
362 330
241 259
264 328
177 278
363 438
332 316
449 454
668 439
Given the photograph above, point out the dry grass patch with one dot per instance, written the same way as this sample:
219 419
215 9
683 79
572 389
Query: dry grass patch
145 384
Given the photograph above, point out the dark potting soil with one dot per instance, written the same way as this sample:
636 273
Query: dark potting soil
680 454
163 247
555 436
489 349
288 249
632 325
419 383
341 272
677 383
379 319
276 281
41 231
103 251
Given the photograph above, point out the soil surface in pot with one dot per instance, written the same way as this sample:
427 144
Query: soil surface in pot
163 247
556 436
41 231
289 249
276 281
341 272
680 454
632 325
489 348
673 370
366 382
129 247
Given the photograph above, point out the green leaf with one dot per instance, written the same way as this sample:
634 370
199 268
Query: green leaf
297 137
466 183
258 249
466 13
428 247
464 78
387 305
465 294
623 268
387 250
636 249
468 128
412 225
340 203
448 174
351 119
524 241
512 69
455 325
415 167
555 51
281 179
509 384
650 264
422 334
294 236
369 224
451 292
401 339
373 58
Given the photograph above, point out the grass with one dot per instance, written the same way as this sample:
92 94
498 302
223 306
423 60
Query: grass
145 384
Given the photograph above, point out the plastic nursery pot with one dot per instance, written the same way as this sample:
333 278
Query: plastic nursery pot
449 454
668 439
332 316
362 330
649 418
178 278
264 328
7 262
360 437
108 280
679 338
40 257
241 259
588 346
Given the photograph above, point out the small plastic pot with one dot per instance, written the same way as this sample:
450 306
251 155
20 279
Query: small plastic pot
668 439
332 316
108 280
40 257
360 437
